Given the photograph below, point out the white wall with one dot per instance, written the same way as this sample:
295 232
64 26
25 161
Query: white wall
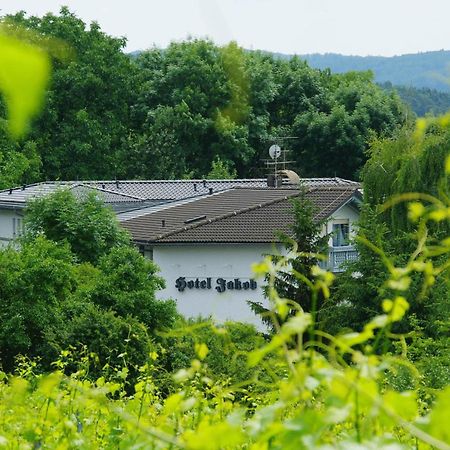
228 261
6 225
213 261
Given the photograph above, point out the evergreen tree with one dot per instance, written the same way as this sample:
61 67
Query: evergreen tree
303 246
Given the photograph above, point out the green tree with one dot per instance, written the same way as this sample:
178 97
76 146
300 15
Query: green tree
35 281
221 170
397 167
127 284
84 124
90 228
303 248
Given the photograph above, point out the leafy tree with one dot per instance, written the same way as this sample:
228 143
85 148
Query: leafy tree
52 302
127 285
397 167
90 228
335 139
35 281
85 121
221 170
18 163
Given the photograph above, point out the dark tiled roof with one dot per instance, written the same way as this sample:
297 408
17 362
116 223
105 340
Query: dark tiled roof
180 189
18 197
155 191
173 189
237 215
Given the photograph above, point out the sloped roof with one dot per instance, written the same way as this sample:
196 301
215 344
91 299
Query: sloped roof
181 189
153 192
235 216
17 197
173 189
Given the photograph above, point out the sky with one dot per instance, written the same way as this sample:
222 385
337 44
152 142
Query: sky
350 27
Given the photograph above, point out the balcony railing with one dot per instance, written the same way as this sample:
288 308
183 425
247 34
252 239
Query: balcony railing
337 256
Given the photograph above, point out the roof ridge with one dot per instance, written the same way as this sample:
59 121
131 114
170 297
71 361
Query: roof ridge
225 216
26 186
344 191
108 191
197 180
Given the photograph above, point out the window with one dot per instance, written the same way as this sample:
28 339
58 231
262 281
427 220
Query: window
147 252
17 226
340 234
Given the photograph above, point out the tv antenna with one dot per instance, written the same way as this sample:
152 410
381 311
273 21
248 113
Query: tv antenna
278 155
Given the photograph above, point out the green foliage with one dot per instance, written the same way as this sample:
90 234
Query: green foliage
90 228
127 285
223 350
24 75
221 170
422 101
406 164
74 281
112 342
332 392
293 279
34 282
86 116
17 163
173 112
396 169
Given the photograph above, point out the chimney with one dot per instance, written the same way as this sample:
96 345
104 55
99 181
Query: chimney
274 181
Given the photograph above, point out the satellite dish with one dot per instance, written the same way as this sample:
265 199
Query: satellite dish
274 151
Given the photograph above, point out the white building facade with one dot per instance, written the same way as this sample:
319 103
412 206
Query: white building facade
206 255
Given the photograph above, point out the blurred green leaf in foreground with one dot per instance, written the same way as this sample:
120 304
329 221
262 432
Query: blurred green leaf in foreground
24 74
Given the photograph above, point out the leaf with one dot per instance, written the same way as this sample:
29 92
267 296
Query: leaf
201 350
24 74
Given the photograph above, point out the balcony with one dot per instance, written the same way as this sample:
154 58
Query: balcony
337 256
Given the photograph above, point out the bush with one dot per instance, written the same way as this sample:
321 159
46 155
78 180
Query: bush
112 342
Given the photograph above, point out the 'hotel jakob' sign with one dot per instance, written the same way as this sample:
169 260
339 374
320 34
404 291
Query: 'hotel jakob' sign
221 284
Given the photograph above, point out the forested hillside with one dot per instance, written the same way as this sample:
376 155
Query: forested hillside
171 113
422 80
421 70
422 101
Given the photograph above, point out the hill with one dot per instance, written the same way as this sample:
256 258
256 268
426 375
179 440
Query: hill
422 100
421 70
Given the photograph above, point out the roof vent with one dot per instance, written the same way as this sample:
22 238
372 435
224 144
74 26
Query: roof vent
163 223
23 187
204 183
210 191
195 219
117 184
195 187
288 177
10 191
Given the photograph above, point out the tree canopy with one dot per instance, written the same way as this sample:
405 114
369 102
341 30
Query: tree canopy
171 113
